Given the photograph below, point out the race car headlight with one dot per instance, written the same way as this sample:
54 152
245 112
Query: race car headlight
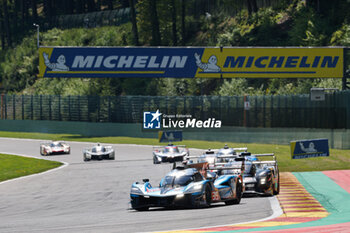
194 188
135 190
262 180
178 196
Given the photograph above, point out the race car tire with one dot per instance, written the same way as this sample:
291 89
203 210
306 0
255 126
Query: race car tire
68 152
207 195
238 198
142 208
277 191
155 160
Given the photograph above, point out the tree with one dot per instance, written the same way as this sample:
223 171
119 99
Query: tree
252 6
134 23
2 30
91 5
173 18
183 26
156 40
110 4
34 10
7 23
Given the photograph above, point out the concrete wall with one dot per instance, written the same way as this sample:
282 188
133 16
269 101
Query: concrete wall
339 139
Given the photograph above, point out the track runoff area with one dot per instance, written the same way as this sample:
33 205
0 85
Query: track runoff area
92 197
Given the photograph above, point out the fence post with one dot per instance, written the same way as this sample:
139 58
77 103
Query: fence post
2 105
264 111
59 107
98 108
271 109
6 107
13 107
78 107
50 113
31 107
22 107
41 107
109 109
69 113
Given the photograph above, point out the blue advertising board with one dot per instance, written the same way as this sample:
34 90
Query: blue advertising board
190 62
309 148
170 136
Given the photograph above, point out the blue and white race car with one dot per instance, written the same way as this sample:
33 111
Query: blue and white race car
188 186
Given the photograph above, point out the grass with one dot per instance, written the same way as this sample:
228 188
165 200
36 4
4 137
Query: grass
12 166
338 159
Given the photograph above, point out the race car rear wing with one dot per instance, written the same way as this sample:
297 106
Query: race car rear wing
239 168
161 147
240 149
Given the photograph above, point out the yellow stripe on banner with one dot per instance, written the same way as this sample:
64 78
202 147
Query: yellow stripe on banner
105 72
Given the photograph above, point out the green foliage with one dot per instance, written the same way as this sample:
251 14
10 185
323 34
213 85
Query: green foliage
295 24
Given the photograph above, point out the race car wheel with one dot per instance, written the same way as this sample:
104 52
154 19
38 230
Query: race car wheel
238 198
155 160
207 195
276 191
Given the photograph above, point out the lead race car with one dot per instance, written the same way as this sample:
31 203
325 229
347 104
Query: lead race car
54 147
170 153
98 152
190 185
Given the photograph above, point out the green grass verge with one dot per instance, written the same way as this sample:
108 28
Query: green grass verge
338 160
12 166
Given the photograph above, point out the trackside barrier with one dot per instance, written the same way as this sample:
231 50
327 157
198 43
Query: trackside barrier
287 111
338 138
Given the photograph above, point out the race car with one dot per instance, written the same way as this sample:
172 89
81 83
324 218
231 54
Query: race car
54 147
260 177
229 152
221 156
170 153
98 152
188 186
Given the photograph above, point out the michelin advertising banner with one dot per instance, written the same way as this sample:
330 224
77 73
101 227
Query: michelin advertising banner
190 62
309 148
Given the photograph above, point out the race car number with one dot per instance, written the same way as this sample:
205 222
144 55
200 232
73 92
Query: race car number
215 196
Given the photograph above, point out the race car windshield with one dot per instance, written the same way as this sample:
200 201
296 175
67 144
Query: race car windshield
56 144
171 150
98 149
177 180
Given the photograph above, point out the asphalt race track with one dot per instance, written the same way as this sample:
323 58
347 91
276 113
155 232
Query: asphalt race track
94 196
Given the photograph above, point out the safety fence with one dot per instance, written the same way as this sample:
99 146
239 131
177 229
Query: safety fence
250 111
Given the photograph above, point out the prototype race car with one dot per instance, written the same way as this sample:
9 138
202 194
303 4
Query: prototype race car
98 152
170 153
54 147
221 156
260 177
188 186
